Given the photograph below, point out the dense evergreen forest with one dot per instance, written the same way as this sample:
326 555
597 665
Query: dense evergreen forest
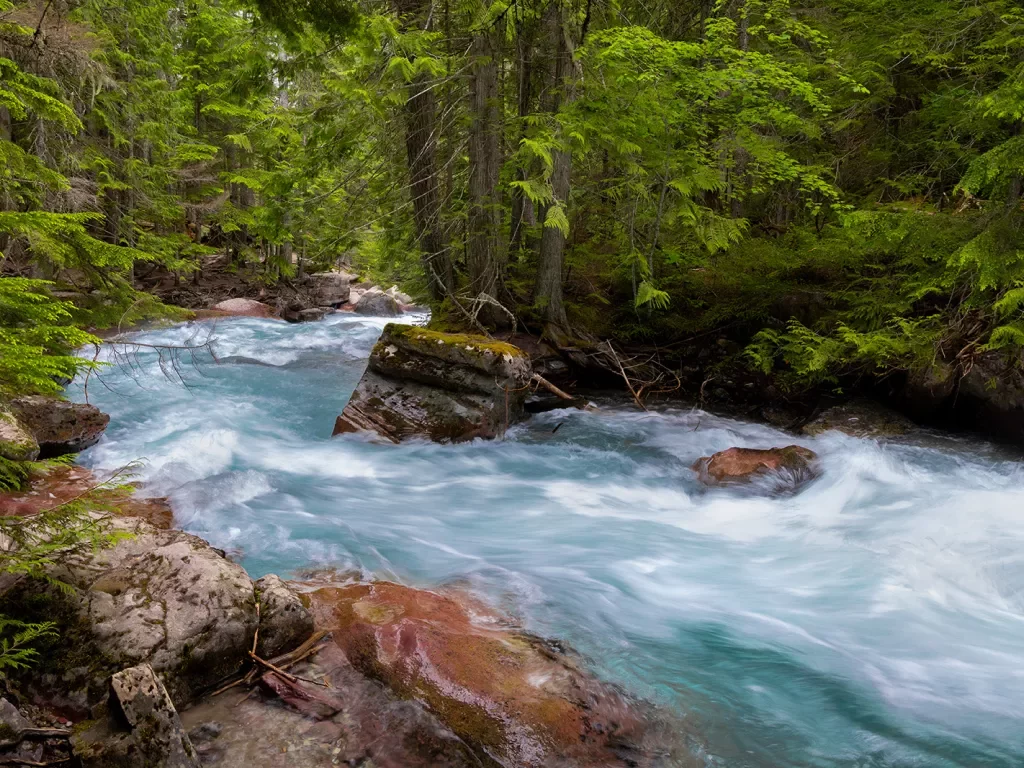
832 188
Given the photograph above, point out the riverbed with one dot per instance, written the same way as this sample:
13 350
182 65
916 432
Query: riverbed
874 618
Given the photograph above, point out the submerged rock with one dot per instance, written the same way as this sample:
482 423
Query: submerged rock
17 442
860 418
165 598
512 697
141 730
744 464
445 387
60 426
244 308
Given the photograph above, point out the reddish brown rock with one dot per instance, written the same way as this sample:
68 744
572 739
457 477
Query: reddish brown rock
743 464
512 697
244 308
63 484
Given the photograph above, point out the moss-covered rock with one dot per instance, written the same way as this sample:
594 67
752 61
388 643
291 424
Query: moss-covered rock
441 386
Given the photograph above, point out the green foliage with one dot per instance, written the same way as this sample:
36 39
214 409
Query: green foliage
30 547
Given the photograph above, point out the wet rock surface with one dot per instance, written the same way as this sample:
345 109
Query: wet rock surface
744 464
514 699
284 621
445 387
140 729
62 484
59 426
860 418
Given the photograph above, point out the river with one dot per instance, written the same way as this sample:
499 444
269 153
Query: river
875 618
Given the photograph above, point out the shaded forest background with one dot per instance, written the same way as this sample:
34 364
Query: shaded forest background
825 190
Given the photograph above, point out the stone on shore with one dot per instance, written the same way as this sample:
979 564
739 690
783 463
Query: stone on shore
141 730
330 289
17 443
514 698
59 426
165 598
745 464
860 418
244 308
377 304
445 387
285 622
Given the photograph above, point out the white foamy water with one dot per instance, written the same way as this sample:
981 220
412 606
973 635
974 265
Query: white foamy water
876 618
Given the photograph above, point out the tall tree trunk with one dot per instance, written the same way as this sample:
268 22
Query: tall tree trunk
485 258
421 150
523 213
547 292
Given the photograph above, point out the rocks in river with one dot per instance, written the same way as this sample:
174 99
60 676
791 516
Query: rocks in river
284 621
296 312
141 728
17 443
745 464
377 303
860 418
165 598
244 308
60 426
512 697
329 289
445 387
399 296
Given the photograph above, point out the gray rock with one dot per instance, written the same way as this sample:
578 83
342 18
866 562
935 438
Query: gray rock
285 623
313 314
330 288
60 426
378 304
397 295
12 722
161 597
930 388
17 443
143 729
445 387
860 418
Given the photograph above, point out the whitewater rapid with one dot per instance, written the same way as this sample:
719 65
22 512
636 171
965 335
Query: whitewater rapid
876 618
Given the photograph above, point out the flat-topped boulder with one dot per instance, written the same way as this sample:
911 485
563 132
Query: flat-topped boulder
441 386
60 426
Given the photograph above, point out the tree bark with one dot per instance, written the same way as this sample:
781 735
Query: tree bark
485 258
523 213
548 293
421 150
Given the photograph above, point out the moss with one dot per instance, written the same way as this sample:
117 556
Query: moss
421 336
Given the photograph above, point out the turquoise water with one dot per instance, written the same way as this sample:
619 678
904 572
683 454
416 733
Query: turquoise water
874 619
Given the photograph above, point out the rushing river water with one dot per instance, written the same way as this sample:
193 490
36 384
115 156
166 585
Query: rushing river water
876 618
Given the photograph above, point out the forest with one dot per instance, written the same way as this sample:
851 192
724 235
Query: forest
688 434
832 188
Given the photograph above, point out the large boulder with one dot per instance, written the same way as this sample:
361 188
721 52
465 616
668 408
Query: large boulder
990 397
17 443
377 304
860 418
141 730
330 289
744 464
244 308
165 598
445 387
60 426
514 698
